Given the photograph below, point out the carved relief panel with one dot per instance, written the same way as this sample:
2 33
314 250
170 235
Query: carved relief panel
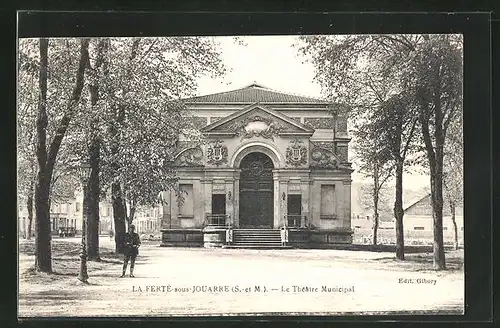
190 157
216 153
322 157
256 126
296 153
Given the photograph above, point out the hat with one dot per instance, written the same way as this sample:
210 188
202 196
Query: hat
131 226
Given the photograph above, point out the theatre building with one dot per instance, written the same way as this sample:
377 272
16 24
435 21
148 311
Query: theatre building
273 172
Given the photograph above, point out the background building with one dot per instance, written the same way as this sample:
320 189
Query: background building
272 160
66 214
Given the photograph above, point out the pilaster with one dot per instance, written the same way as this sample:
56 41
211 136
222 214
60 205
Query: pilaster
207 196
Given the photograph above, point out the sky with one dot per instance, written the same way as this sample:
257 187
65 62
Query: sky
272 62
268 60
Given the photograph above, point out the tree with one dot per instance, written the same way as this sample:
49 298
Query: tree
141 84
437 81
396 127
373 160
46 156
375 197
97 68
367 73
26 119
453 174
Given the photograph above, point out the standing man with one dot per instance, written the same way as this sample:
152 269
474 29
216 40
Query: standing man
132 243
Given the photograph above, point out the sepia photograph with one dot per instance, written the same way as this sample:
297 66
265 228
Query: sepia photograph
240 175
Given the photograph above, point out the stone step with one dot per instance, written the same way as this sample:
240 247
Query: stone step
257 234
256 230
241 242
253 242
258 237
256 241
257 246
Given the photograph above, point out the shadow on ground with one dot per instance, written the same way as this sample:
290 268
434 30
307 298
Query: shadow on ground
56 296
424 262
410 249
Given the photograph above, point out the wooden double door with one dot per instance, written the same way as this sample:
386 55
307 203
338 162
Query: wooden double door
256 192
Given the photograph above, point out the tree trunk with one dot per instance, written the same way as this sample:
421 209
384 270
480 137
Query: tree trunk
95 156
93 204
455 229
118 216
46 160
376 191
29 205
86 213
132 214
437 203
119 209
399 212
43 255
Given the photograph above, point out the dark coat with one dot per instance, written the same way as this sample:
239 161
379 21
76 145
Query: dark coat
132 243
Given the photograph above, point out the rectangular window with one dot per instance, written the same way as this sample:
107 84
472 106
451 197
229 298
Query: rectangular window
186 207
219 204
294 210
328 201
418 228
445 228
77 205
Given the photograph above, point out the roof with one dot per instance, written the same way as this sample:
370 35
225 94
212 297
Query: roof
427 198
415 201
254 93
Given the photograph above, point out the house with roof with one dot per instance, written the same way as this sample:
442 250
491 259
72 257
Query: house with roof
273 172
418 217
67 215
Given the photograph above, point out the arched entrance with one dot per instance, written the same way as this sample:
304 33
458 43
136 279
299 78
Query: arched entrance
256 191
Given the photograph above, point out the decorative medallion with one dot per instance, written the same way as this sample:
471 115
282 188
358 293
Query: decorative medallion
296 153
217 153
257 126
256 168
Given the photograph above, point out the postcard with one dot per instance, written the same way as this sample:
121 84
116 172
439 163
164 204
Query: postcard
240 175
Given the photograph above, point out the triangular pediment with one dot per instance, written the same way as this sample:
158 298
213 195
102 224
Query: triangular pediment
257 119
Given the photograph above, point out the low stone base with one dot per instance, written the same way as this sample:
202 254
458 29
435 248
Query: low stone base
214 237
181 238
326 238
299 238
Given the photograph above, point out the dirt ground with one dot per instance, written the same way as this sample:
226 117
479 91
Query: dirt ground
197 281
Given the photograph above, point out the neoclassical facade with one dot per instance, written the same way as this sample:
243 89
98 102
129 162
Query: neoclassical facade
273 170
